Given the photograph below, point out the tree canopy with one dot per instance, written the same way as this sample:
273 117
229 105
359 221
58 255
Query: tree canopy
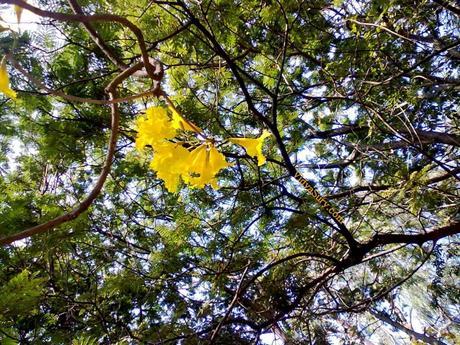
230 171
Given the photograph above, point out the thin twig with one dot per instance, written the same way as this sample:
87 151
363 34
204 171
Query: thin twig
97 38
230 307
58 93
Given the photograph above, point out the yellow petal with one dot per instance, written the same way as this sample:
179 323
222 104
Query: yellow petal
5 81
205 162
253 147
198 174
18 10
169 162
154 128
217 160
178 122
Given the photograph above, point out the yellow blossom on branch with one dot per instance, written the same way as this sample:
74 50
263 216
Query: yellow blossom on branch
204 164
178 156
18 10
5 81
253 147
170 161
154 128
178 122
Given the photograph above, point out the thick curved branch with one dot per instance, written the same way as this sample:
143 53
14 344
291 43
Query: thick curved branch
85 204
433 235
438 137
355 258
72 98
448 6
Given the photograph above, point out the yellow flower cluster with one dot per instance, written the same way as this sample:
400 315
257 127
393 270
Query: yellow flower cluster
183 152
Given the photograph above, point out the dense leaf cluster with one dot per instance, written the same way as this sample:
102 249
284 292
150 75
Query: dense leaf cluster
361 98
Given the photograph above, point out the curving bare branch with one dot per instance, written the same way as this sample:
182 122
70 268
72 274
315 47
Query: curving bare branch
86 203
153 69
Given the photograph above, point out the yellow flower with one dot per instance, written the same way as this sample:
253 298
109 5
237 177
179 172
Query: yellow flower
5 81
18 10
154 128
253 146
170 162
205 161
178 122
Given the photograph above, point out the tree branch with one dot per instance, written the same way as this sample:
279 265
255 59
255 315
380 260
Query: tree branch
419 336
94 18
86 203
433 235
72 98
230 307
448 6
97 38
